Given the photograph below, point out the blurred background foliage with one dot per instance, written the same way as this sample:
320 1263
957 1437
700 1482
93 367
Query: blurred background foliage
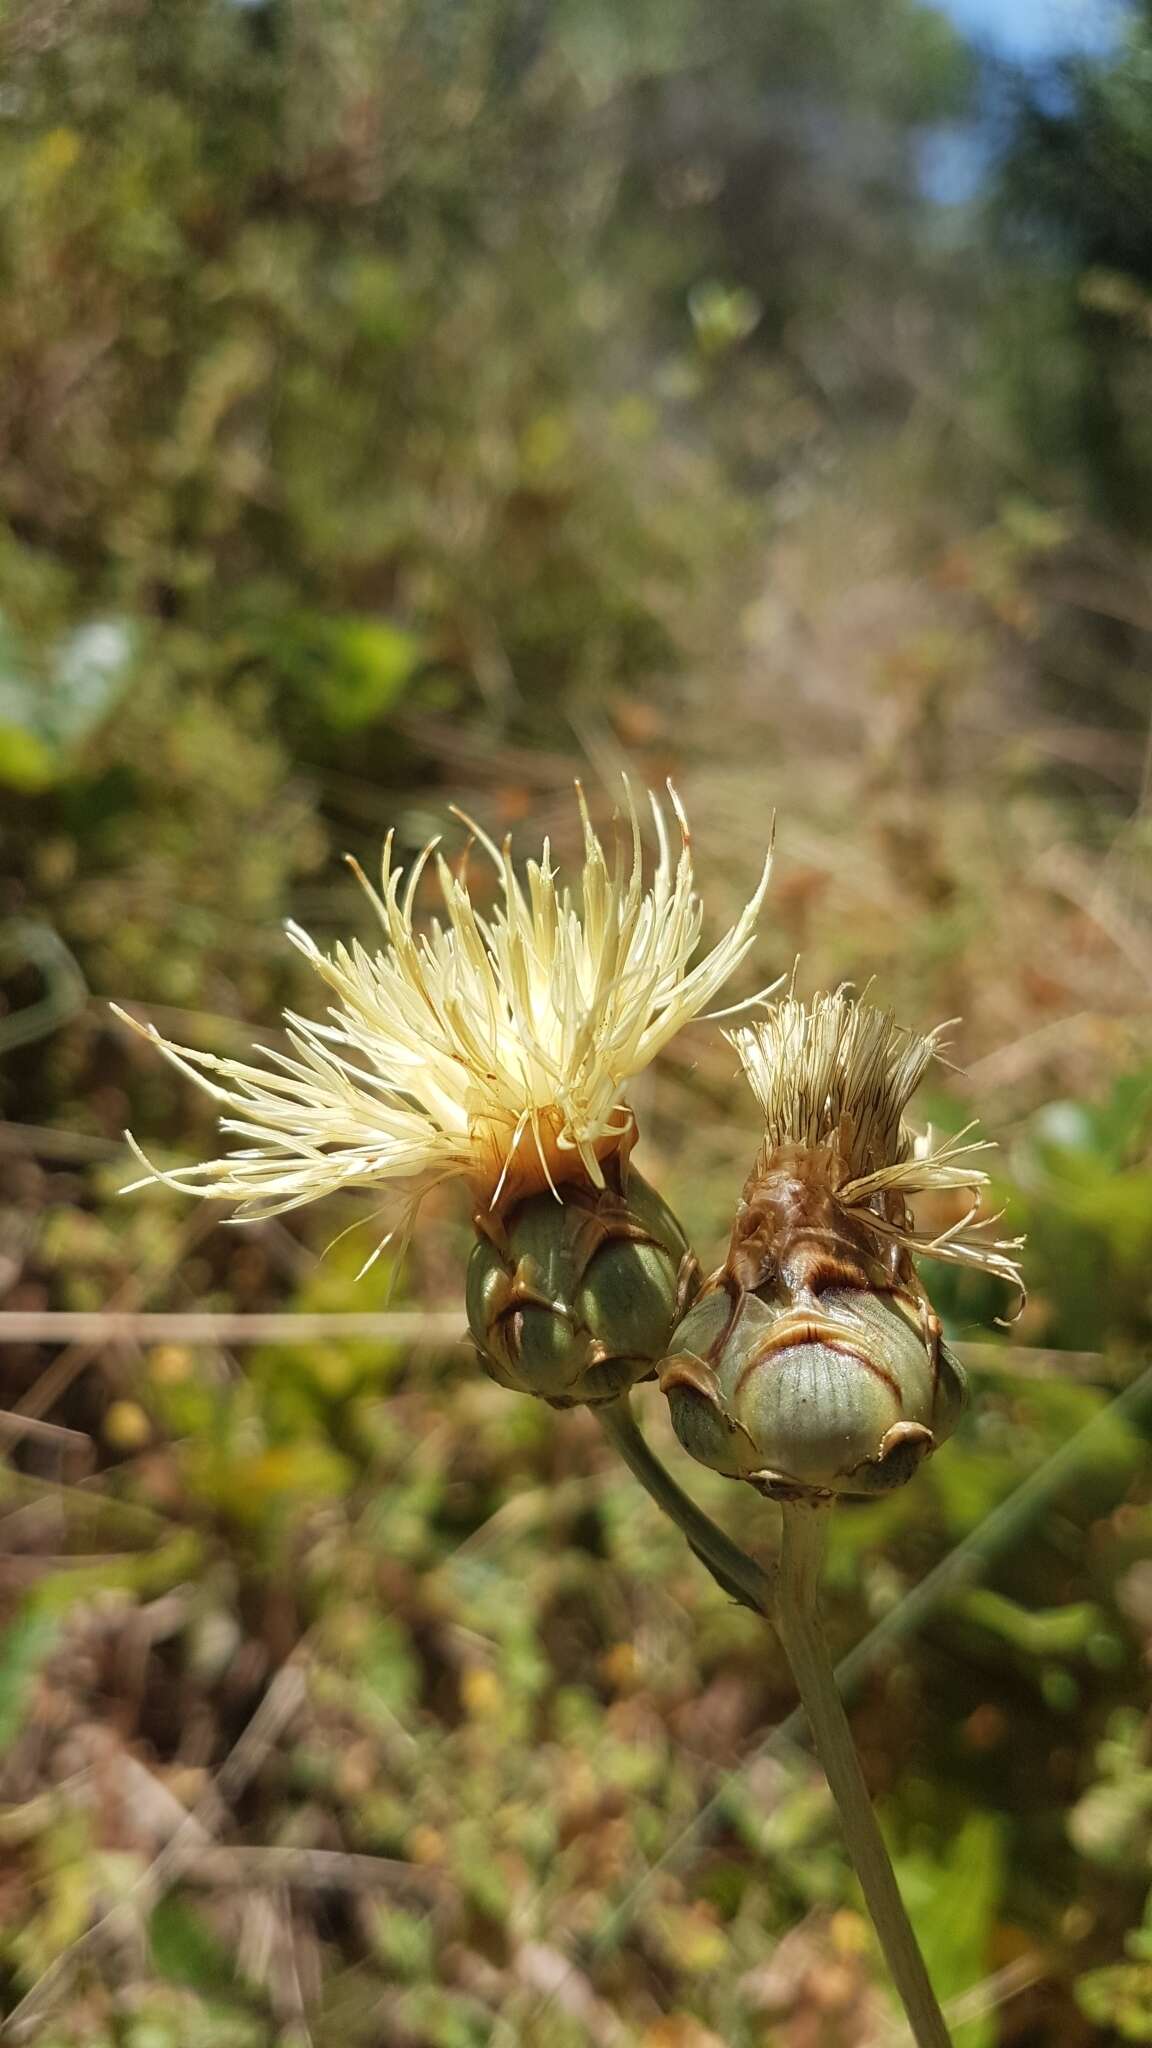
405 402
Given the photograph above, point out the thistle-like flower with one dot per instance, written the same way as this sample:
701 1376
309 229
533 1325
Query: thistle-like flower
813 1361
495 1047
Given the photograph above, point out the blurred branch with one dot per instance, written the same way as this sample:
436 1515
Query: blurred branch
984 1998
43 1432
103 1328
46 1143
66 989
1067 873
65 1369
1033 1362
1010 1063
431 1329
313 1870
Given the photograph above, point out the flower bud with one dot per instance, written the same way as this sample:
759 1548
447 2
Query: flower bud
845 1393
575 1300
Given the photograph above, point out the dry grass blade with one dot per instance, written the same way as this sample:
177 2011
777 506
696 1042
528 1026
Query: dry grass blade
71 1363
102 1329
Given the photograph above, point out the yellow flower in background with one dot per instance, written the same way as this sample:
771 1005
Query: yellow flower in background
495 1045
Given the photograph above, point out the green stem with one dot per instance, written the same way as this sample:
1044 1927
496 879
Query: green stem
729 1565
801 1632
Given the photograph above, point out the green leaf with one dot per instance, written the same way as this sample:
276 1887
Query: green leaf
372 662
185 1950
145 1573
27 762
345 671
25 1644
1119 1997
1047 1632
953 1902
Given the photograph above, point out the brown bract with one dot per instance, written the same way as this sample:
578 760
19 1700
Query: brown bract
792 1231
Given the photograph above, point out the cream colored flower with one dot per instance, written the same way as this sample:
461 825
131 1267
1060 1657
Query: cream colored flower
837 1076
496 1046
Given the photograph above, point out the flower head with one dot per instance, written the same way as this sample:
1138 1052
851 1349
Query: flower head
495 1046
813 1363
834 1079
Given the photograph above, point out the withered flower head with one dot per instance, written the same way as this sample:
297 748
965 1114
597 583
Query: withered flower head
834 1081
813 1361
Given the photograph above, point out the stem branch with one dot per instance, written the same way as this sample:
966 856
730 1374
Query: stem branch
801 1632
729 1565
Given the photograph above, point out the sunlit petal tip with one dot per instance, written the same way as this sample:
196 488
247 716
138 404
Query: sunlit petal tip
139 1025
681 814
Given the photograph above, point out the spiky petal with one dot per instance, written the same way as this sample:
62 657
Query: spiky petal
493 1046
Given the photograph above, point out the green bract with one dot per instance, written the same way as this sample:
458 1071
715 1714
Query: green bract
576 1300
841 1393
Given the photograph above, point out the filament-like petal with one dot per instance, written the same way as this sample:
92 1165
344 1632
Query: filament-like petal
494 1046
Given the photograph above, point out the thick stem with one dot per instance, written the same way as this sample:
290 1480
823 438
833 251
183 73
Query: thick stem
729 1565
801 1632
